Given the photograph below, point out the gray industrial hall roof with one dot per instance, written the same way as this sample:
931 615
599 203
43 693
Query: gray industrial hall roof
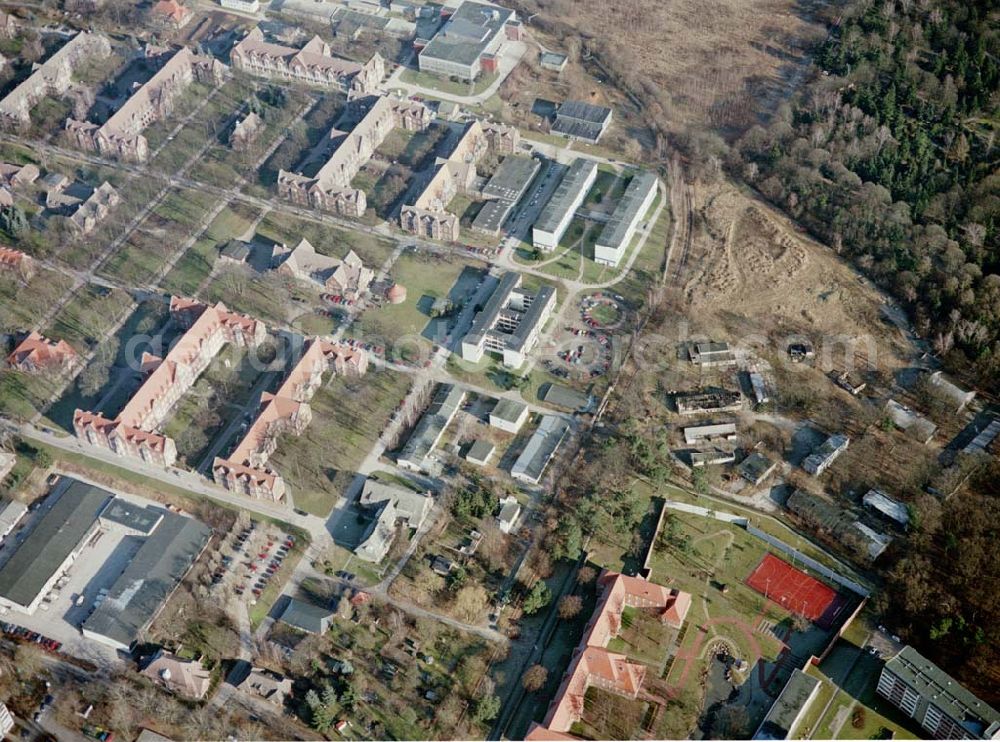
787 706
306 616
541 448
481 450
566 194
131 516
939 688
509 410
563 396
149 579
492 216
467 33
55 536
512 178
616 231
585 112
445 403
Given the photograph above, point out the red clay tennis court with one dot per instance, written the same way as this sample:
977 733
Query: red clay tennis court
796 591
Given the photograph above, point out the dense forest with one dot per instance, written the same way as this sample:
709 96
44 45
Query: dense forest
942 590
889 156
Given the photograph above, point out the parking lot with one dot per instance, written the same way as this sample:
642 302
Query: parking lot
248 561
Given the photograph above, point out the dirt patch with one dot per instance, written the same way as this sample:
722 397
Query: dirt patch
721 64
751 271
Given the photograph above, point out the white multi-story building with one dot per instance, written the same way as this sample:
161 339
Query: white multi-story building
510 323
245 6
554 219
617 234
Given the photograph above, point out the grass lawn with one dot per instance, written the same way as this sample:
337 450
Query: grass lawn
156 238
643 636
446 85
211 403
22 395
372 249
185 145
404 327
348 415
605 187
21 305
196 264
88 315
395 144
858 691
49 115
608 715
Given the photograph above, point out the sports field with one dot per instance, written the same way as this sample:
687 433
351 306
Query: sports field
796 591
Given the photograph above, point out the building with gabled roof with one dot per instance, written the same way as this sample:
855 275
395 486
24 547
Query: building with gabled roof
121 135
330 188
825 454
416 453
540 449
135 430
170 14
427 215
245 132
308 617
53 77
36 354
585 121
18 176
348 277
910 421
391 505
95 208
892 509
510 511
951 391
313 64
593 664
186 678
268 685
287 410
984 439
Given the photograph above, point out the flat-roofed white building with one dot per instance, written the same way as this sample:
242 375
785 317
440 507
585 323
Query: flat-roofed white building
510 323
554 219
542 446
509 415
699 433
245 6
617 234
